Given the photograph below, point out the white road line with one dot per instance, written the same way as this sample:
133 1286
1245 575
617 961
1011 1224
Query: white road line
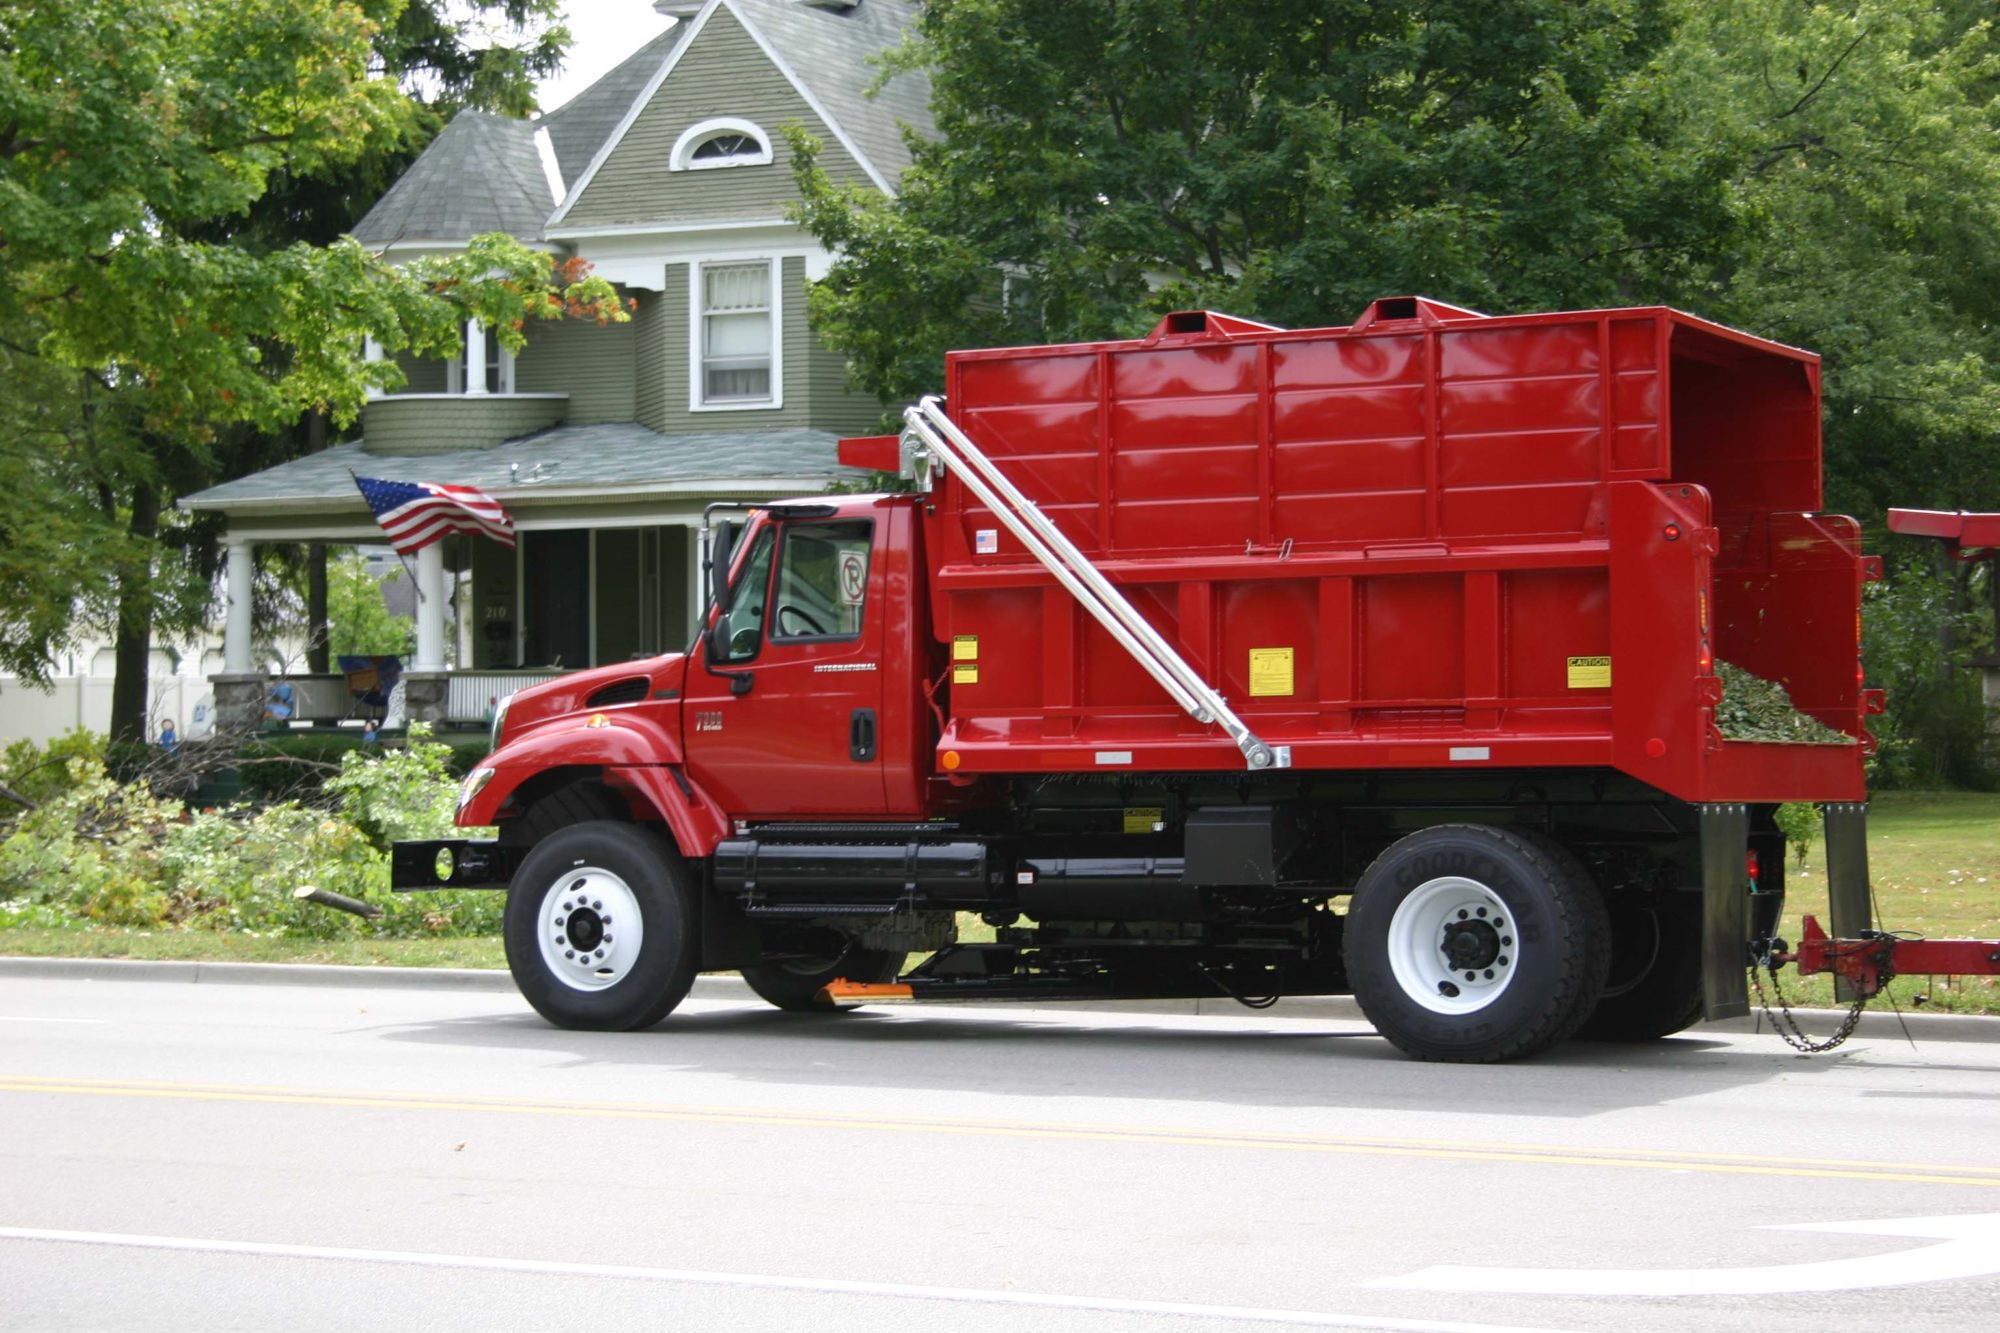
556 1268
1969 1248
33 1018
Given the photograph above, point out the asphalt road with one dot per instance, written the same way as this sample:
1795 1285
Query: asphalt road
259 1157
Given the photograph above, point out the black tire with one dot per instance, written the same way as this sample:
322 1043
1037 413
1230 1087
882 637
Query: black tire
609 864
794 985
1653 988
1529 927
577 803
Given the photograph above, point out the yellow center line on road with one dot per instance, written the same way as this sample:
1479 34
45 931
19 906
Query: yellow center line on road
1639 1159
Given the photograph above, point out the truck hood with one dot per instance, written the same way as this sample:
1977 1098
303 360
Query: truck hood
653 682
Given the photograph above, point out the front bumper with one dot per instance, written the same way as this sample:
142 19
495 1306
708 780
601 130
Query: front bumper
452 863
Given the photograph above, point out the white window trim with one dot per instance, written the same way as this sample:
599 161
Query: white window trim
695 377
683 159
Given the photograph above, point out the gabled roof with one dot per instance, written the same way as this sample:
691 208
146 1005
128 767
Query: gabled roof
482 173
832 51
606 461
579 127
828 55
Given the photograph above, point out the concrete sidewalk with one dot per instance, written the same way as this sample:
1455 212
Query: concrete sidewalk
728 988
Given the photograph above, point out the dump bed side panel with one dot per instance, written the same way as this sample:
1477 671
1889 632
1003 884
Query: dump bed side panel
1388 547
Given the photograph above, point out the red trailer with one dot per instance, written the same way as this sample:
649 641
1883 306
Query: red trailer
1230 661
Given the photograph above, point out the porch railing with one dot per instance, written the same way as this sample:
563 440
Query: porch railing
469 695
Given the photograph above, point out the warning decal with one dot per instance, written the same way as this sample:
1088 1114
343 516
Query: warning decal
1270 671
965 647
1590 673
965 675
1144 818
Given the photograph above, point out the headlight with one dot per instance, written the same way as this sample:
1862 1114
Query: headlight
499 721
475 782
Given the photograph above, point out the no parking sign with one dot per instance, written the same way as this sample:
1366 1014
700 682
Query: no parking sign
853 577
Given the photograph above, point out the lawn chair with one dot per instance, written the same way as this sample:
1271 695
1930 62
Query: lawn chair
369 680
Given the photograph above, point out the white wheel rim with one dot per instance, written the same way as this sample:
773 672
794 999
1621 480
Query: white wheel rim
589 929
1452 945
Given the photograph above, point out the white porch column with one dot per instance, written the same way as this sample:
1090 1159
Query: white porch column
475 356
430 609
371 352
241 575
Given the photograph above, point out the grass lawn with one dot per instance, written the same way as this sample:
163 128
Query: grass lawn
1934 858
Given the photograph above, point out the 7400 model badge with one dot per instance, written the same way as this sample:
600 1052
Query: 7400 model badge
708 721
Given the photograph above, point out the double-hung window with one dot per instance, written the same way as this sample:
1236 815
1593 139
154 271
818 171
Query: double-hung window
737 334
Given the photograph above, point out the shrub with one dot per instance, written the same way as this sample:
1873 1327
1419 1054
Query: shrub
101 852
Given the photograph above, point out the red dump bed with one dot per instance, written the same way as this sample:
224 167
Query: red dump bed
1432 540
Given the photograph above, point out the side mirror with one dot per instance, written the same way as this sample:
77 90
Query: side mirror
718 639
721 547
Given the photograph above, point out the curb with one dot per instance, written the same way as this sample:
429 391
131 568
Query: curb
1875 1024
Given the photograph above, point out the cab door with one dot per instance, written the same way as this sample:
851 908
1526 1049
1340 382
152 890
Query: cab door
783 715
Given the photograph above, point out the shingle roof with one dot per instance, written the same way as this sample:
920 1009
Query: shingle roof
617 460
579 127
832 50
482 173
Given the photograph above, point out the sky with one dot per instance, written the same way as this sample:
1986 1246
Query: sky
602 33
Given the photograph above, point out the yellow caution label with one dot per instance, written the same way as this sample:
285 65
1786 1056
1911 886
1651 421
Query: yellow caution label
965 675
965 648
1590 673
1270 671
1144 818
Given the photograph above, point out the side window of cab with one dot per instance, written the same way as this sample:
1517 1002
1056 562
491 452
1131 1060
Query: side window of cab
822 586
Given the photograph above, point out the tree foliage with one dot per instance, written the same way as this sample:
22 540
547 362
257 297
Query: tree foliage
143 249
358 620
1285 162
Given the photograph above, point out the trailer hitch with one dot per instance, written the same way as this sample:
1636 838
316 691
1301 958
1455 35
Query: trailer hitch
1866 963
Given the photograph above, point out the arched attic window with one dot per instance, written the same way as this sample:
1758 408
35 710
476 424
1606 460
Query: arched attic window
722 142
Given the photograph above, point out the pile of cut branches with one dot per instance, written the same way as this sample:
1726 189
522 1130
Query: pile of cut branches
1755 709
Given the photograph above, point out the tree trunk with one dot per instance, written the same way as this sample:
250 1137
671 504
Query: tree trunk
317 659
132 649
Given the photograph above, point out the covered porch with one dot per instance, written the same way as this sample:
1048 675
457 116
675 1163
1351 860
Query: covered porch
605 566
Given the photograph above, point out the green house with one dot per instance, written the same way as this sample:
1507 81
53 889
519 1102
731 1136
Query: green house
671 175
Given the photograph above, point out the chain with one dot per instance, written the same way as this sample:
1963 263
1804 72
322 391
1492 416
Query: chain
1787 1026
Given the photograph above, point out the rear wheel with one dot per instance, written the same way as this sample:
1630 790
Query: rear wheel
794 984
1654 986
1470 943
600 927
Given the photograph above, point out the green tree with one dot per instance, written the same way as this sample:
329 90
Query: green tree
358 619
130 132
1286 162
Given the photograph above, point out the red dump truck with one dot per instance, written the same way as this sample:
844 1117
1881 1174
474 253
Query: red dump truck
1230 661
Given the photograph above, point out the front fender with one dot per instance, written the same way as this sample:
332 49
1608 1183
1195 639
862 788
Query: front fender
633 751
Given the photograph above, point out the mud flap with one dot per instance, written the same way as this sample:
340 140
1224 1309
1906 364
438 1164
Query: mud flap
1847 879
1725 910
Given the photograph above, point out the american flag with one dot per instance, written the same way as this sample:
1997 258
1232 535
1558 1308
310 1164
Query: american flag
417 513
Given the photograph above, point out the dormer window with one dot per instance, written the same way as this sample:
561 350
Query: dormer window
722 142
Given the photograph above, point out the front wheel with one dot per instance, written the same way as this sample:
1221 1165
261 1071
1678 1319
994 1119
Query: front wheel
1473 944
600 928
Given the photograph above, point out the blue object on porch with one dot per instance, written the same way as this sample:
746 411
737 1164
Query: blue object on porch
369 680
